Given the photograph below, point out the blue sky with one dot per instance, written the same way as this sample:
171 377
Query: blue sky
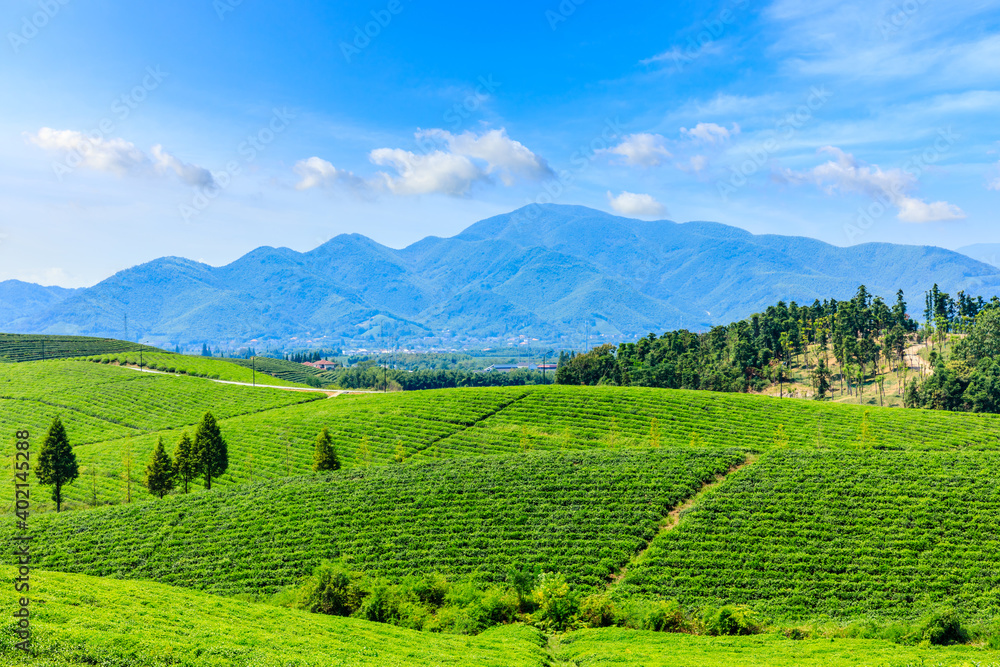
206 128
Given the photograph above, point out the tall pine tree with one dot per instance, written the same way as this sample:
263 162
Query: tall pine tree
56 462
185 461
325 457
160 472
210 450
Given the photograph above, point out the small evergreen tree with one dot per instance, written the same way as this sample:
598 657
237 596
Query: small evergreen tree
185 461
56 461
325 457
160 472
210 450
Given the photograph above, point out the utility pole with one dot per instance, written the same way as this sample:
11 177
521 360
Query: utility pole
140 359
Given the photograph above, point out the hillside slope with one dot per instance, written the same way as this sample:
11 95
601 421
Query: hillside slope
277 439
551 276
584 514
86 620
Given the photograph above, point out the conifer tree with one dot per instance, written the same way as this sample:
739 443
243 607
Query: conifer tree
210 450
185 461
325 457
56 461
160 472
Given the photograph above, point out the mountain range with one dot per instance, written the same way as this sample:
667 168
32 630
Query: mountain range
556 273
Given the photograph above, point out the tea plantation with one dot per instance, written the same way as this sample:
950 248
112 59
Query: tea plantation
618 646
217 369
278 443
837 533
33 347
584 514
91 621
553 416
816 513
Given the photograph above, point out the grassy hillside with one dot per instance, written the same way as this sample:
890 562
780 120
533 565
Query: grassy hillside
584 514
280 442
86 620
844 534
33 347
548 417
98 402
289 371
210 367
378 428
127 398
617 646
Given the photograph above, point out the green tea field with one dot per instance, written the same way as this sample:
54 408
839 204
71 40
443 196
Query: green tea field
840 534
31 347
583 514
93 621
654 507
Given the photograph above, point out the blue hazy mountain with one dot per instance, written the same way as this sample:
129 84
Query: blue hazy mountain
988 253
550 275
20 300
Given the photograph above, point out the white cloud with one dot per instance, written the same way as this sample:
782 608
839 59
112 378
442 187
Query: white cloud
114 155
496 150
117 156
447 163
680 57
710 133
451 164
438 171
318 173
629 203
995 184
699 162
190 174
644 150
846 174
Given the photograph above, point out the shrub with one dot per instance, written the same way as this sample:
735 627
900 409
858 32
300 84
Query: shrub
557 604
665 616
332 589
430 589
381 605
658 615
941 627
733 620
598 610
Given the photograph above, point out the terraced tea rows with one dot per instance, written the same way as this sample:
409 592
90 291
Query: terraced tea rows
139 401
217 369
86 620
584 514
98 402
429 425
556 417
840 533
33 347
289 371
366 430
617 646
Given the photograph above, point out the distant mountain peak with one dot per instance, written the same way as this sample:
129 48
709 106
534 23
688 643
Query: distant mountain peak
550 272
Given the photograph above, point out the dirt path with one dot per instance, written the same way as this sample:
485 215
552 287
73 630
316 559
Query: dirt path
330 393
914 361
674 517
